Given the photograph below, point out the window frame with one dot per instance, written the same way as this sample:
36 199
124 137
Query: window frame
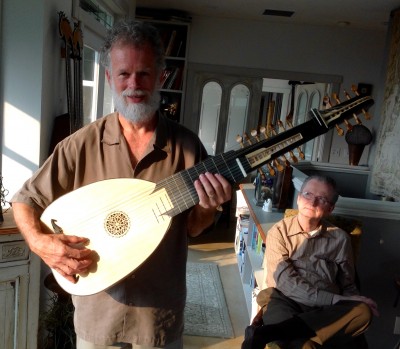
94 35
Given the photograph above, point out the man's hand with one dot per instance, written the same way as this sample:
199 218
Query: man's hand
371 303
65 254
213 190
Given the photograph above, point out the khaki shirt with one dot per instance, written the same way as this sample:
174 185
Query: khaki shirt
146 307
309 269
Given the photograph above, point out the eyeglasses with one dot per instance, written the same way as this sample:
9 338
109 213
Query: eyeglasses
322 200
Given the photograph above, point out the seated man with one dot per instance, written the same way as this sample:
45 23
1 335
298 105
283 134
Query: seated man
311 299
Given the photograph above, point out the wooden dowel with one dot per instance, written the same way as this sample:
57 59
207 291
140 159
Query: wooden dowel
358 121
328 104
367 115
348 125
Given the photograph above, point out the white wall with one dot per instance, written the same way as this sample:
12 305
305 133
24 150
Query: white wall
355 54
34 69
33 79
33 84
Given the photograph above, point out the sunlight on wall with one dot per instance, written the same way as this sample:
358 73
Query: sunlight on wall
20 148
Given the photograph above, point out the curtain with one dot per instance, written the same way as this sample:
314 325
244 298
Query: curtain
385 179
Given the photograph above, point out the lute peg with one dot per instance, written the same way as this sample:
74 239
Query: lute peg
339 130
254 134
367 115
278 165
348 125
263 130
239 139
358 121
292 156
246 138
328 104
283 157
289 120
271 170
271 129
290 125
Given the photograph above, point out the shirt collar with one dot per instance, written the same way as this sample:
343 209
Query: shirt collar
162 139
112 132
298 230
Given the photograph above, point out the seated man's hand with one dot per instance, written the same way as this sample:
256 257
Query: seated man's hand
371 303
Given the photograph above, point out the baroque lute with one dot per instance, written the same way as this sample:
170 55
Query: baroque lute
124 229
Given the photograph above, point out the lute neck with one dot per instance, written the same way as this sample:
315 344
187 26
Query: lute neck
180 186
236 165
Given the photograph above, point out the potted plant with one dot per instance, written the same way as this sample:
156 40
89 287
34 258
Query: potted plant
57 321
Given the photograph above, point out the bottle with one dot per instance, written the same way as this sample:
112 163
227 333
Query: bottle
267 207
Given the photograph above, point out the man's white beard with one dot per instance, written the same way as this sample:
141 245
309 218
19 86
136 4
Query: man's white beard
136 112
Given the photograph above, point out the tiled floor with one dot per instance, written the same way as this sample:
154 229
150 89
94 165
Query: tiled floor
217 246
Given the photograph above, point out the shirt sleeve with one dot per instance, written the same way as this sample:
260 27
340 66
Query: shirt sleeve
346 272
48 183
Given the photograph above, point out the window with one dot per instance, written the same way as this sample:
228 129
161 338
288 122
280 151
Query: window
90 74
310 96
225 112
209 115
96 10
237 115
97 98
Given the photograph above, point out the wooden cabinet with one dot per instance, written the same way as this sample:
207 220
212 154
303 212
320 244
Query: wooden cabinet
19 289
252 226
175 39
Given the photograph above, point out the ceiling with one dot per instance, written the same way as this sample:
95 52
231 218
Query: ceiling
367 14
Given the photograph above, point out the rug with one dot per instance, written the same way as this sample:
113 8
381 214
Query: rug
206 312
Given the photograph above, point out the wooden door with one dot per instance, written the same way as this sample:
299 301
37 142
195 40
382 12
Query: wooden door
224 116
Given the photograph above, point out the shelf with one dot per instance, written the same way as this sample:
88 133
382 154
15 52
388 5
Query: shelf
173 74
250 250
256 261
170 104
248 296
174 36
8 226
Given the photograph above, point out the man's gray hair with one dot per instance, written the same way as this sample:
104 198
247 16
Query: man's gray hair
328 181
137 34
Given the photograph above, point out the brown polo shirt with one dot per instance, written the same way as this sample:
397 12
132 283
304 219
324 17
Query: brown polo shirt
146 307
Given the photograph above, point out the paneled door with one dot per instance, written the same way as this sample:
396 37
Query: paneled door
221 107
307 97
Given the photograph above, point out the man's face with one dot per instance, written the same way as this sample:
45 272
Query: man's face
134 80
315 200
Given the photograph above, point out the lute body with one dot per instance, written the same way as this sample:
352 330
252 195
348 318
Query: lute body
122 220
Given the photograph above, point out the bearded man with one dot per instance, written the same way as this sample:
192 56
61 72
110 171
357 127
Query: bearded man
145 309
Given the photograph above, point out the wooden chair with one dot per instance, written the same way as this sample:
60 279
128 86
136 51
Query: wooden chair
349 225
